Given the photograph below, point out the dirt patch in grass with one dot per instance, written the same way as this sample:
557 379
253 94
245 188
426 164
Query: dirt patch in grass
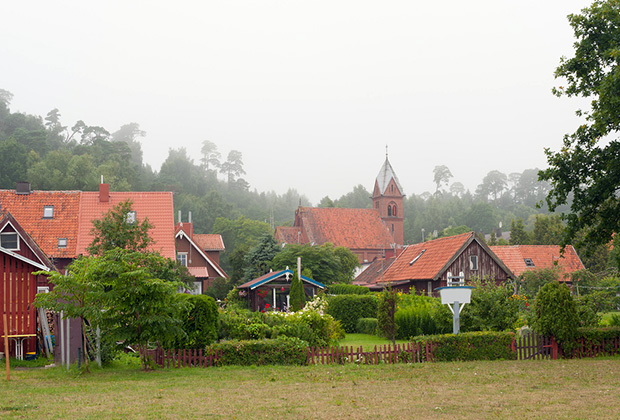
506 389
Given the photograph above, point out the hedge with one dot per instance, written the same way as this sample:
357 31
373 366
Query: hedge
470 346
599 338
349 308
347 289
200 322
278 351
367 326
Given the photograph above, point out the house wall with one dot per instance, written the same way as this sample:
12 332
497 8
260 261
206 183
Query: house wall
18 287
487 267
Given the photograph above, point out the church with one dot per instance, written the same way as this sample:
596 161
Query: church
371 233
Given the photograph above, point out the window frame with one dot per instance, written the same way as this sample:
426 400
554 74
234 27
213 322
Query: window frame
46 209
182 258
17 241
473 262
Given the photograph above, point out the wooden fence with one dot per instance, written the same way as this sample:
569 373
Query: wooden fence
531 347
401 353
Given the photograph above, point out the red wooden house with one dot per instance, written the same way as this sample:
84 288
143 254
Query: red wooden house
200 253
20 257
424 267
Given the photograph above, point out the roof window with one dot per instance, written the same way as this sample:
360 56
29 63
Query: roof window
131 217
48 212
529 262
417 258
62 242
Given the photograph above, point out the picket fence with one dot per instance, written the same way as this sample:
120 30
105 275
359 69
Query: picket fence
531 347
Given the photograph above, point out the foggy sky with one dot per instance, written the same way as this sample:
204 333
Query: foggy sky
310 92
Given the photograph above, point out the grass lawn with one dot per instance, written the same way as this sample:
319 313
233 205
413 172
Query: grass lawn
563 389
606 317
366 340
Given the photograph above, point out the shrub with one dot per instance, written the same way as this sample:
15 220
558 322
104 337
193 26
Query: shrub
419 314
596 336
349 308
200 321
555 313
278 351
492 308
235 300
386 313
347 289
297 295
367 326
471 346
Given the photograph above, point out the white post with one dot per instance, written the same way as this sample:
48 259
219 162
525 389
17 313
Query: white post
60 340
98 346
68 342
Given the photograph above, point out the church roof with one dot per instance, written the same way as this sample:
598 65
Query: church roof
351 228
386 174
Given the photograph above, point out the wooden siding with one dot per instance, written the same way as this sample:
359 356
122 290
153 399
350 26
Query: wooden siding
487 267
18 287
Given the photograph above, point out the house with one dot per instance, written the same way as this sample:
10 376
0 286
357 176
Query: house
50 218
272 290
61 221
20 257
373 273
200 253
522 258
371 233
424 267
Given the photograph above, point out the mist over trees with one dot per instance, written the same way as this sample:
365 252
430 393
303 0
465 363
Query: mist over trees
54 155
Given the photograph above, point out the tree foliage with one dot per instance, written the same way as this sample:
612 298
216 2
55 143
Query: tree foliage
297 294
119 229
386 313
555 313
587 167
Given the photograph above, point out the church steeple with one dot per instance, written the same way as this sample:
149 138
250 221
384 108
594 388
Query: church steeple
387 199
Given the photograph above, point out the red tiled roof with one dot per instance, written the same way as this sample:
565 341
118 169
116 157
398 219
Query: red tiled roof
156 206
372 274
351 228
28 211
431 256
209 242
198 272
543 256
288 234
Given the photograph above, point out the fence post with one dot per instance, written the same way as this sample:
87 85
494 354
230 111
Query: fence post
554 349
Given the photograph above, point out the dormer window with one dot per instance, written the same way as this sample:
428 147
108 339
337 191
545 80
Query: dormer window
10 241
529 262
48 212
62 242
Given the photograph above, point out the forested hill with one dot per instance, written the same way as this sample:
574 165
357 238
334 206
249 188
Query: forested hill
53 156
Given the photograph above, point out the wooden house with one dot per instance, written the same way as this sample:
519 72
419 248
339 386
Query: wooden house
271 291
200 253
424 267
20 257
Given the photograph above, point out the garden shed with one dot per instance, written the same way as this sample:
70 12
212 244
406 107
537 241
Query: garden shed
271 290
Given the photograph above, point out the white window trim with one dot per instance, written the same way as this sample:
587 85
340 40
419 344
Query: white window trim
473 262
61 245
48 212
11 233
182 257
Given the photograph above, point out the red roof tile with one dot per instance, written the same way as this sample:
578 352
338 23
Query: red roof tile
372 274
351 228
425 260
288 234
543 256
28 211
156 206
209 242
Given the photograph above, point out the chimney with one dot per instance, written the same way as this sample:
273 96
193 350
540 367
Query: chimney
23 188
104 193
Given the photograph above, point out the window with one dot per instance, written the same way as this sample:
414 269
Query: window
389 211
529 262
182 258
62 242
473 262
48 212
43 289
9 241
131 217
394 210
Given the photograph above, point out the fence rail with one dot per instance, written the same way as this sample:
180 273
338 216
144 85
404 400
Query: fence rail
531 347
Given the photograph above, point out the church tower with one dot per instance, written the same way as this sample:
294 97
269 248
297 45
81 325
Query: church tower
387 199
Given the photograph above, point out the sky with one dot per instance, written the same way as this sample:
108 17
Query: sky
311 92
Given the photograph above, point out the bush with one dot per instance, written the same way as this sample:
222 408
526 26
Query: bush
367 326
555 313
418 315
347 289
492 308
594 337
471 346
200 322
349 308
234 300
278 351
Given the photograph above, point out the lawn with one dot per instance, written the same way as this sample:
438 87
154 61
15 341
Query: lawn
366 340
564 389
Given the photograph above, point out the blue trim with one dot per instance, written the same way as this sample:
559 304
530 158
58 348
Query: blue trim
279 274
455 287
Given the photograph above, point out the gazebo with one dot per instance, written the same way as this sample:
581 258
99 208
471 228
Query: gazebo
271 290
